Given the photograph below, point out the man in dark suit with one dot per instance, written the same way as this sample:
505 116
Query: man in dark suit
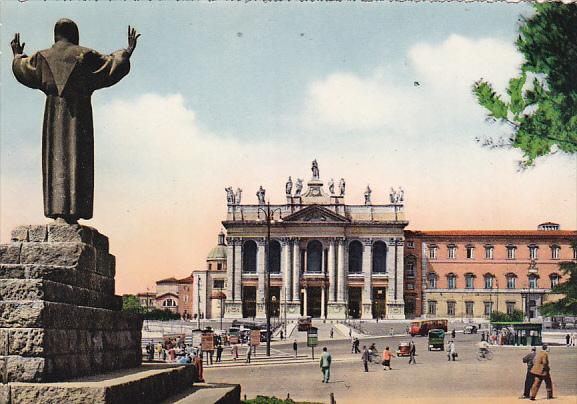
529 359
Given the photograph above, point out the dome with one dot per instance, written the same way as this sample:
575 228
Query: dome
219 251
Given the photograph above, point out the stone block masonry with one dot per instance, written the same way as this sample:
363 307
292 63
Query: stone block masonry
59 316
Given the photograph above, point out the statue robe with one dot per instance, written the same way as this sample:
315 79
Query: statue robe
68 74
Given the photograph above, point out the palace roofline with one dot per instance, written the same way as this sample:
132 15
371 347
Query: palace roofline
492 233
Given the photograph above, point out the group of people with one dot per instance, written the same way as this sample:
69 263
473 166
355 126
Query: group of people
538 371
571 339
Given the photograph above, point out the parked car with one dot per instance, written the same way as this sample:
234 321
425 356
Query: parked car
470 329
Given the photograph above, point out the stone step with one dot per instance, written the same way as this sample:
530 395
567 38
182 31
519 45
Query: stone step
146 384
40 289
67 275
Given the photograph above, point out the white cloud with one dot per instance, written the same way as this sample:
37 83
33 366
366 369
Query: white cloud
388 99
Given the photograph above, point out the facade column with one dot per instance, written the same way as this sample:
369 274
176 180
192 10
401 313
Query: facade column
233 305
305 298
238 270
367 273
323 297
331 272
260 271
286 269
296 271
396 271
230 270
341 272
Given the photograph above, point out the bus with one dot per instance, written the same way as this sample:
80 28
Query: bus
422 327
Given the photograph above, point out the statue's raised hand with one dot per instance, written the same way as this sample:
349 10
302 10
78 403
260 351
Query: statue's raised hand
17 49
132 38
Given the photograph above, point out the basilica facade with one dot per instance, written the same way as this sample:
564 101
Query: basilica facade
327 258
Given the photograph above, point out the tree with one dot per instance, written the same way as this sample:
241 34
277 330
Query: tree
567 305
500 317
541 107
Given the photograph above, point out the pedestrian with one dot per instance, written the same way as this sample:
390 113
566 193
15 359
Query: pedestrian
453 333
357 344
248 353
234 351
568 340
331 333
387 356
451 351
542 372
325 364
365 358
295 348
352 345
281 335
482 336
574 339
219 350
412 352
197 360
392 331
529 359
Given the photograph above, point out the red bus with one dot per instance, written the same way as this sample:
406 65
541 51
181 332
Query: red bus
422 327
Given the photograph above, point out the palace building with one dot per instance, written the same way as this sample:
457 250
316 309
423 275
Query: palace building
327 258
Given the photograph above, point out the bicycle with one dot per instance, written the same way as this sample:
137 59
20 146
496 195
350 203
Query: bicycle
487 355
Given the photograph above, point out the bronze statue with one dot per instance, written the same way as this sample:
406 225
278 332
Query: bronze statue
68 74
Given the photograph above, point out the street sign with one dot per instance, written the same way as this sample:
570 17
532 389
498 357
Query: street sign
255 337
312 337
207 341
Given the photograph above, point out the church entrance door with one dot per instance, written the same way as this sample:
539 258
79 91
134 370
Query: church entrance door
313 301
355 302
249 301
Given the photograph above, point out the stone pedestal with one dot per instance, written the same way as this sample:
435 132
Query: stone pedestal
337 311
232 310
367 312
260 310
293 310
59 317
396 311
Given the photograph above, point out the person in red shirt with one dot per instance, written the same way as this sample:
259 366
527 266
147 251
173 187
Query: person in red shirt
387 356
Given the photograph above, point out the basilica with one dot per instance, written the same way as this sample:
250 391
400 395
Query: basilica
326 258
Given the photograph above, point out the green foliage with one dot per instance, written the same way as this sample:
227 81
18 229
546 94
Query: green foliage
515 316
543 113
131 304
566 306
272 400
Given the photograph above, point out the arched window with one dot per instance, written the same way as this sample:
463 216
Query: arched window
488 281
249 256
511 281
533 281
554 280
432 278
274 257
314 256
355 257
379 257
451 281
469 280
169 303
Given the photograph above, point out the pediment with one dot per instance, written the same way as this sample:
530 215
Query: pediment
316 214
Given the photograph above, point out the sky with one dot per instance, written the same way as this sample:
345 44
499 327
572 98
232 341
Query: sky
246 94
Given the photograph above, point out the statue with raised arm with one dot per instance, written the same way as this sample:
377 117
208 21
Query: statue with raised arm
289 186
368 195
332 186
238 196
299 187
342 185
315 169
68 74
260 195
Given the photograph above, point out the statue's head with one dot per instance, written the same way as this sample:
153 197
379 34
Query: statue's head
66 30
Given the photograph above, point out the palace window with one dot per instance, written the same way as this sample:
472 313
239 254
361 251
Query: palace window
218 284
488 308
469 308
488 281
470 252
432 281
219 266
469 281
451 281
510 307
410 271
532 281
489 249
451 309
169 303
452 251
410 286
410 244
555 252
554 280
432 307
511 252
511 281
433 252
533 252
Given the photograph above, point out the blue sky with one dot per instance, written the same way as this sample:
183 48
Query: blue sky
245 94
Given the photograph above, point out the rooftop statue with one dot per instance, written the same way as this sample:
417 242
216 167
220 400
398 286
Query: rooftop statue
289 186
368 195
68 74
342 185
315 170
332 186
299 187
260 195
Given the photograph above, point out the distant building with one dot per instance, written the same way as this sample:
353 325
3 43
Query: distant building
211 282
167 294
185 297
147 299
469 274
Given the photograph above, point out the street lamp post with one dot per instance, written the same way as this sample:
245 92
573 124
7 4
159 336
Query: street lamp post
268 214
198 302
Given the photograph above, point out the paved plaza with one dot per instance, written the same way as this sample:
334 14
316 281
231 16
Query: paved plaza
433 379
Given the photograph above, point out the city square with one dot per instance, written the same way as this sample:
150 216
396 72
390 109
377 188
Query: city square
285 202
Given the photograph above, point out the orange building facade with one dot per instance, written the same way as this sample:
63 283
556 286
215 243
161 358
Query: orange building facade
469 274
